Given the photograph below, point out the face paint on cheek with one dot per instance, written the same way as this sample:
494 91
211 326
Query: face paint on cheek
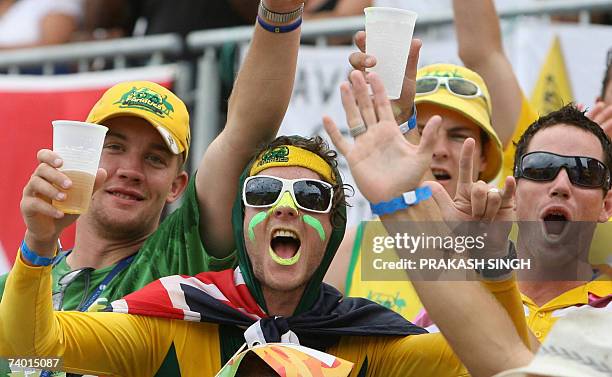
316 224
259 217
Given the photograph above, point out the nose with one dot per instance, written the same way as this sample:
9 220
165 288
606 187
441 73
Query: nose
440 149
130 170
285 209
561 185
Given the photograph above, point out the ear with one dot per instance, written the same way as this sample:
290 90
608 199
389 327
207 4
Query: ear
606 208
178 186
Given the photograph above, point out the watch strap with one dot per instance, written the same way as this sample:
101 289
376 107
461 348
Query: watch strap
278 18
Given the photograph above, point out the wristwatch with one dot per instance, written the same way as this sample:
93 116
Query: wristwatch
279 18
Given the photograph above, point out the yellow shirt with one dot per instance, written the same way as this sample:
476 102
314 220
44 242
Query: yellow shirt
128 345
541 319
398 295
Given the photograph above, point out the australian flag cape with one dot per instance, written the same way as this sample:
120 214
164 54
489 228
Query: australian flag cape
223 298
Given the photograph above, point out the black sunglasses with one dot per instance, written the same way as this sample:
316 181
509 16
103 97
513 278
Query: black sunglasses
308 194
582 171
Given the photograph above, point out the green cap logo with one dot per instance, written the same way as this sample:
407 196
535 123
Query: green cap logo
148 100
278 154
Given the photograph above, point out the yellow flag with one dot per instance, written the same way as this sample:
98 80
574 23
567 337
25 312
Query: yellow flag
553 89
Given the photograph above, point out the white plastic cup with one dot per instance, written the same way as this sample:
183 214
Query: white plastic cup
388 37
79 145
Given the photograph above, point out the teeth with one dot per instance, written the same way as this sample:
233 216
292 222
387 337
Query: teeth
285 233
123 196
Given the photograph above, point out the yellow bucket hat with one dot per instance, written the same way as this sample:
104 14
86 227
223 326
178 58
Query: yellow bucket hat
477 109
151 102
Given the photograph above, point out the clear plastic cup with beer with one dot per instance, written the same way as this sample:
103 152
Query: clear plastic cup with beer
79 145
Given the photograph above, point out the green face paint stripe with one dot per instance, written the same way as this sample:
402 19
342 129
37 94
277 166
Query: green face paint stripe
315 224
259 217
282 261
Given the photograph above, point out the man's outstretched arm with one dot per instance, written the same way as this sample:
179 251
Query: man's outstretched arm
257 106
481 50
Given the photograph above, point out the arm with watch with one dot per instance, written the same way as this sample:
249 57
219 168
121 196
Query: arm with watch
256 108
482 334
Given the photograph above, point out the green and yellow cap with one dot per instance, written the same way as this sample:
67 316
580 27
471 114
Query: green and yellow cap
151 102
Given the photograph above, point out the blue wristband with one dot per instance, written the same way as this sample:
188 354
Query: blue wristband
411 123
279 28
407 199
33 258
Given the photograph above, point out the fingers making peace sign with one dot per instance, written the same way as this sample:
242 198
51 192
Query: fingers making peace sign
474 201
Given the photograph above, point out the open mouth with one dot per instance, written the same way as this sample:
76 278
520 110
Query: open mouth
555 222
440 174
285 247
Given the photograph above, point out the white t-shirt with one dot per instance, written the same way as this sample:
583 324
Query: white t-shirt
20 24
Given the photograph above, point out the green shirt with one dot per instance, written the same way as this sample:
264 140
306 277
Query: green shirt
174 248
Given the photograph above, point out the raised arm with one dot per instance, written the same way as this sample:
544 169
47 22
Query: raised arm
257 106
89 343
380 181
481 50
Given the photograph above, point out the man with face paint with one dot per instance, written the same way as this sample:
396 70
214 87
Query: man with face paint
289 219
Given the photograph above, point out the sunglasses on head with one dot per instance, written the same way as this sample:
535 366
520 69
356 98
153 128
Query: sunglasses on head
308 194
582 171
456 85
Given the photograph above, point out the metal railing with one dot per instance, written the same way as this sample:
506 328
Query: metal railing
156 48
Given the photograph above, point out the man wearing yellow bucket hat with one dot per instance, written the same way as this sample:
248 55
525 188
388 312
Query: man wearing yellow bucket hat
460 96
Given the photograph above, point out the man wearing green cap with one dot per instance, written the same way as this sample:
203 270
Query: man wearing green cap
120 244
289 218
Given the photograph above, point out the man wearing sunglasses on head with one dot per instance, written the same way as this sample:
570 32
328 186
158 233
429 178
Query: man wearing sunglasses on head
461 98
289 217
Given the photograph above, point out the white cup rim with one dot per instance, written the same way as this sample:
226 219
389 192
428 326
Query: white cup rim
62 122
390 10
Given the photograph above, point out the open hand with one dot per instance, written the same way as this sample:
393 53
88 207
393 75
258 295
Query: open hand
383 163
602 115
